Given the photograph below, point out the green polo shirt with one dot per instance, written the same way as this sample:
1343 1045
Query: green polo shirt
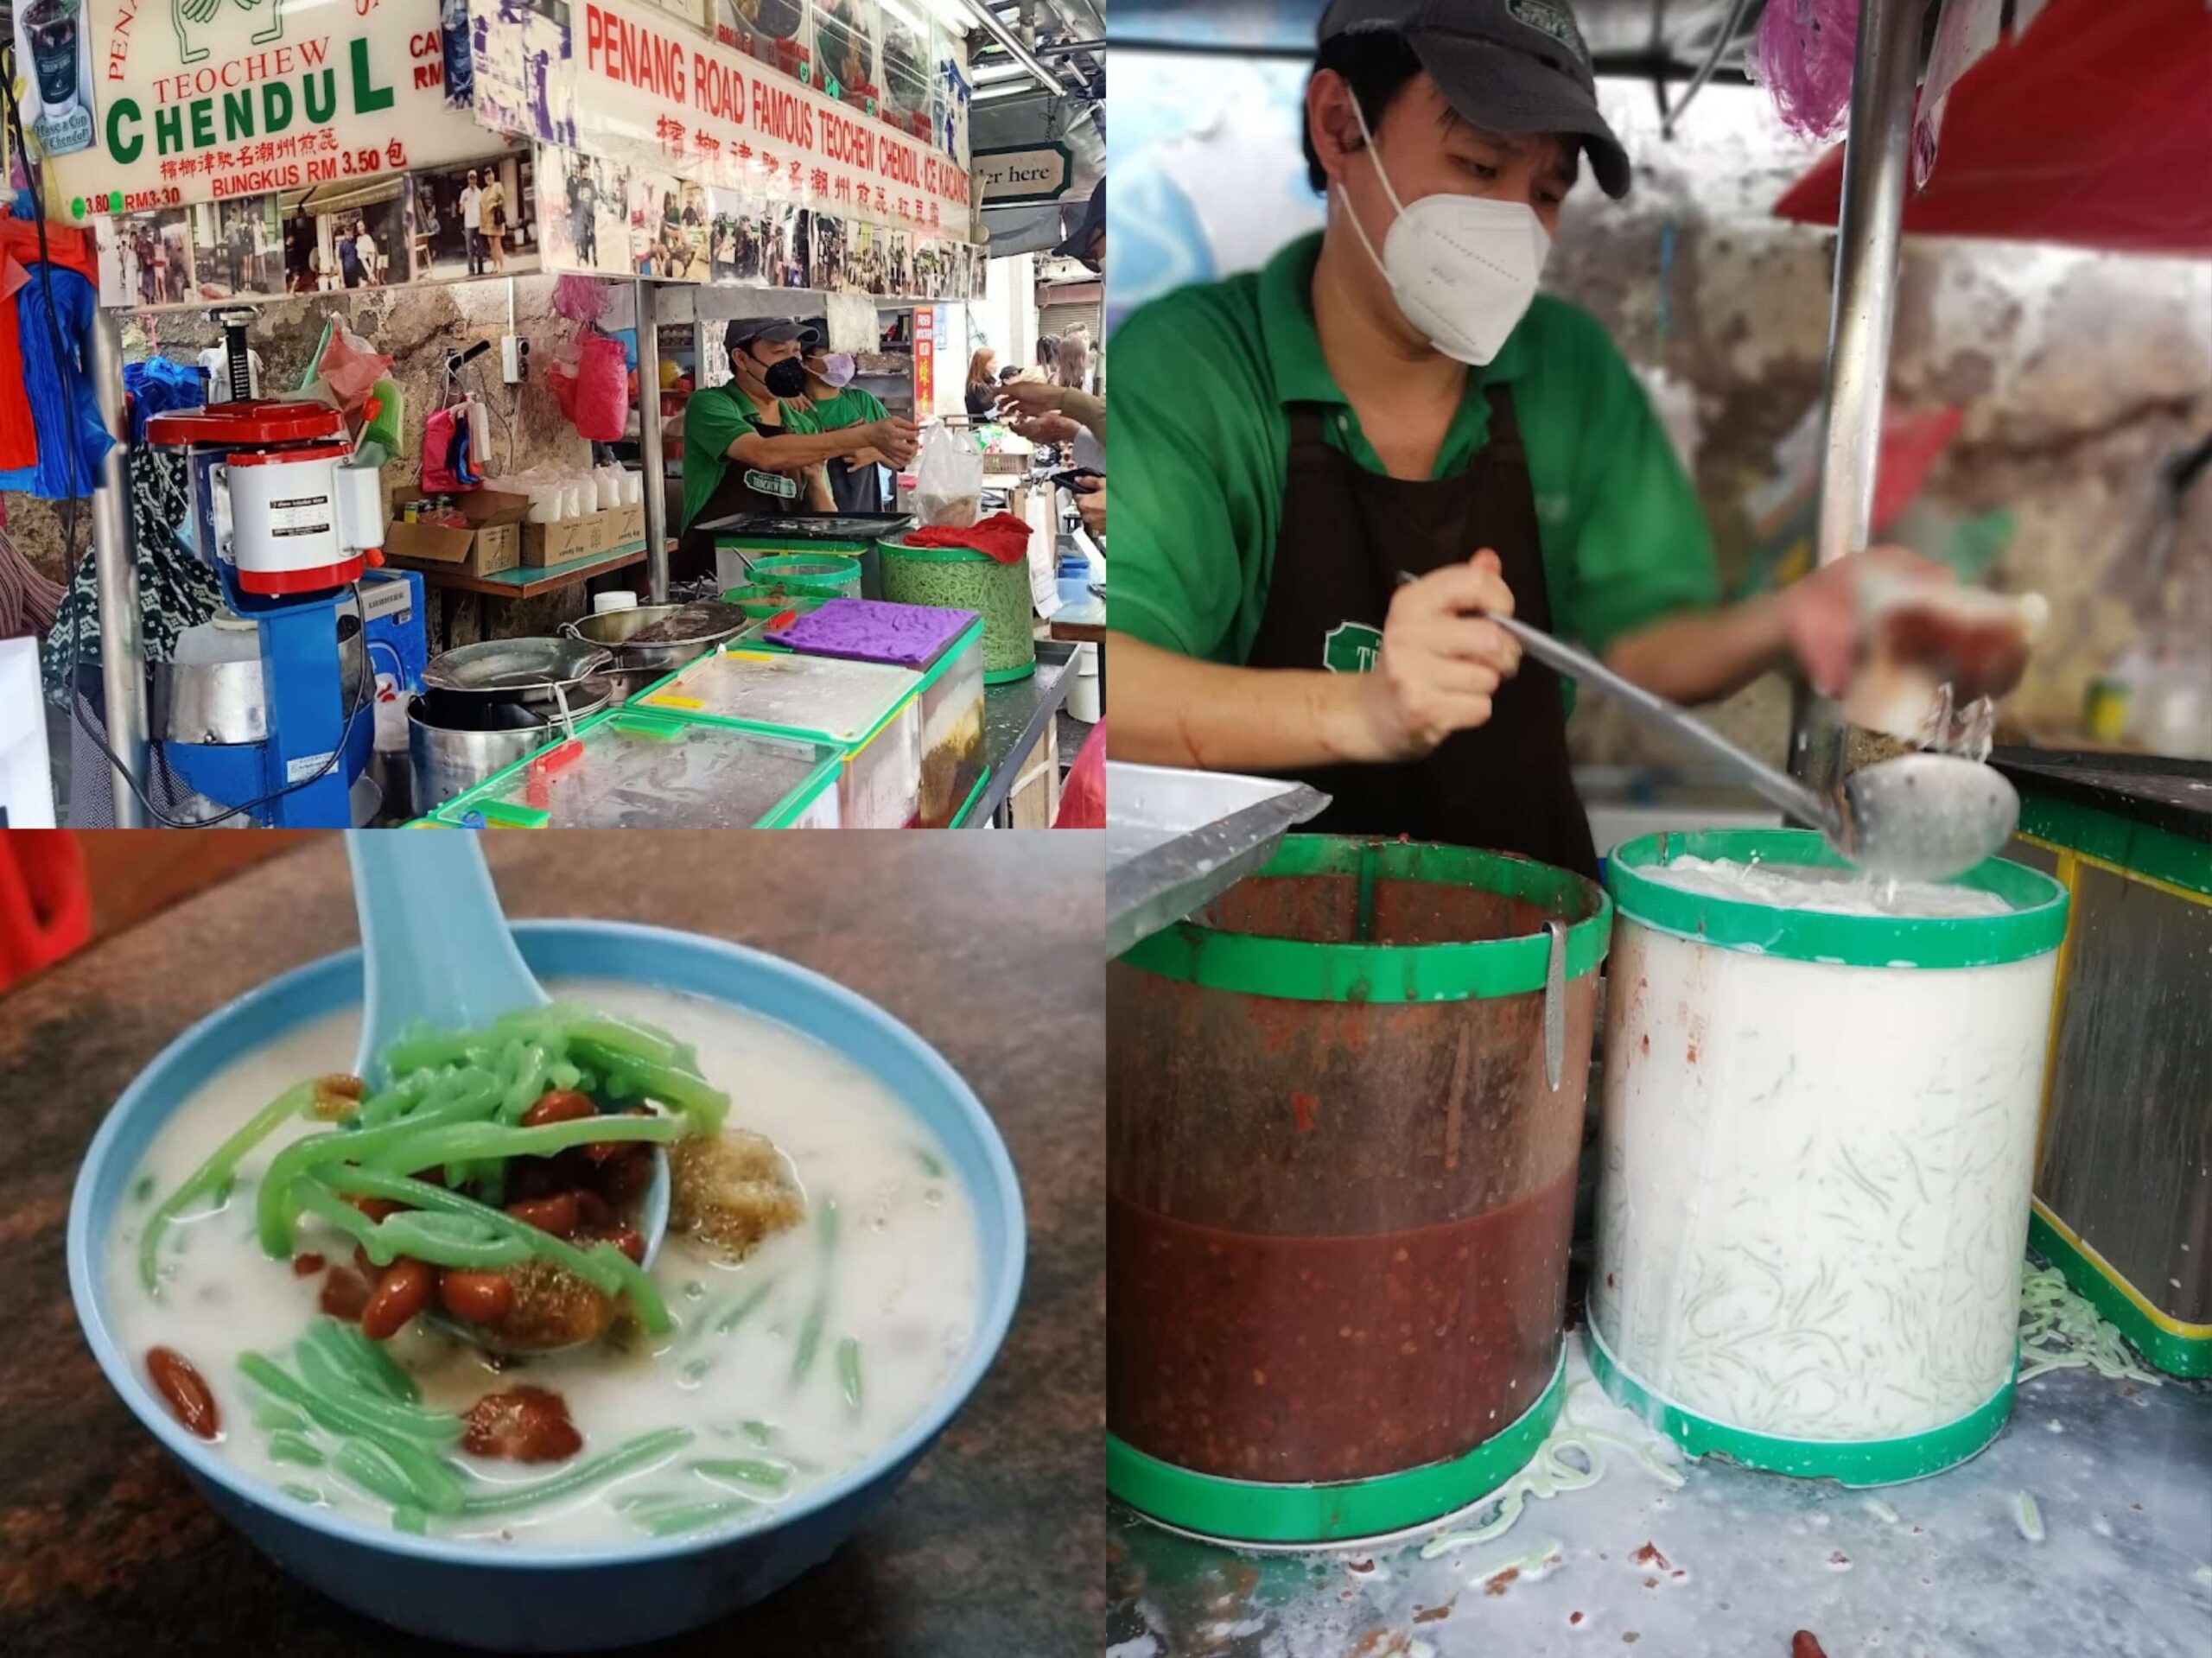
715 417
1202 379
851 407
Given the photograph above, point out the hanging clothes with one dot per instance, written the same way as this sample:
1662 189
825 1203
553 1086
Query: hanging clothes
176 589
68 249
157 385
72 441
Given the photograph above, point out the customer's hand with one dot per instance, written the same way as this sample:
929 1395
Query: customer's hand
1045 429
1030 399
1441 662
1820 612
892 437
1090 503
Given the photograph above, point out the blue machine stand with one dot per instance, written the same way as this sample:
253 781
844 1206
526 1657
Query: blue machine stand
305 708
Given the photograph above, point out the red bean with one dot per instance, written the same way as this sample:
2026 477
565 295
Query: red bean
557 1213
307 1265
525 1424
345 1294
477 1297
402 1292
593 1213
185 1391
377 1209
561 1105
627 1238
338 1095
622 1180
1805 1644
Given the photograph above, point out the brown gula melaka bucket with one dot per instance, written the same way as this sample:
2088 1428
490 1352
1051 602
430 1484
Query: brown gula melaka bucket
1344 1108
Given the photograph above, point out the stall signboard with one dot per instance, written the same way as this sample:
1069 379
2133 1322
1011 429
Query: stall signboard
1032 175
623 81
925 362
59 103
199 101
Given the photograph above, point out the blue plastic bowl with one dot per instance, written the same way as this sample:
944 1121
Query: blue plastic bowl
582 1600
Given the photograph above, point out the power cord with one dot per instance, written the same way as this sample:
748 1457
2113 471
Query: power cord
365 691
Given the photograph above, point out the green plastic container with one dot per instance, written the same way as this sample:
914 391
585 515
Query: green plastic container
959 578
1818 1142
640 768
824 575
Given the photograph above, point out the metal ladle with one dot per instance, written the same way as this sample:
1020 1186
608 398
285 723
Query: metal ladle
1917 817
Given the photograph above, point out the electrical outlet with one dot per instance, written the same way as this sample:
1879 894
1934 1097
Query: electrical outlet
514 358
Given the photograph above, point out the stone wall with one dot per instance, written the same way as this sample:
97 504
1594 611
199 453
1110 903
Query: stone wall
2077 372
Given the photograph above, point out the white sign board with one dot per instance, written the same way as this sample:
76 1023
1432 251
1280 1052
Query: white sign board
250 98
1040 172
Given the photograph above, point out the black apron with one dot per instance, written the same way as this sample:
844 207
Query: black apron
858 489
734 493
1346 534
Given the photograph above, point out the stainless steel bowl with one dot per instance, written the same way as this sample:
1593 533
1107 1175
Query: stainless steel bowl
211 691
521 671
447 761
639 665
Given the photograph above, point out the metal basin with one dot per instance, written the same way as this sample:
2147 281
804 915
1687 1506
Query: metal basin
526 670
211 693
636 665
449 760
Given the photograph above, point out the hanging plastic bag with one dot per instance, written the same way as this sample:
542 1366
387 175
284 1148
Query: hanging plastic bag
449 462
345 367
579 299
948 479
1802 52
595 395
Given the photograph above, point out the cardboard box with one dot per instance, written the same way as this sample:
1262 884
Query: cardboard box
629 529
544 544
491 542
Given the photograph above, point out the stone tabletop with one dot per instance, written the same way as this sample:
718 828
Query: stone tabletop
988 946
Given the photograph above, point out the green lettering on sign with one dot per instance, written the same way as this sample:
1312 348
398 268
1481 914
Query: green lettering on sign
168 129
368 97
276 107
237 116
321 109
124 145
203 122
1351 648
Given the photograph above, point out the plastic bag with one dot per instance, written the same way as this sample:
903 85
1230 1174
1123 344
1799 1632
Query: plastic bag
579 299
1802 52
596 397
1083 799
948 479
449 463
347 367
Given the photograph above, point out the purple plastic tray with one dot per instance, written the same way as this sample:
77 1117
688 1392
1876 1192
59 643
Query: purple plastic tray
869 630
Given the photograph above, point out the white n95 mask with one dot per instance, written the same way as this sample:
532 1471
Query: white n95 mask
1463 269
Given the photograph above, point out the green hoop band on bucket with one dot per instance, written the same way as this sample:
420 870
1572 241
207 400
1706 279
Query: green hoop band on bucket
1253 1511
1856 1462
2035 925
1297 970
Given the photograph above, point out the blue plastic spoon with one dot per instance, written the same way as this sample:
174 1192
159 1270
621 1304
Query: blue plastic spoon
436 951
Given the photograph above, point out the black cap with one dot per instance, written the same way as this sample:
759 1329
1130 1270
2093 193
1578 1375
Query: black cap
1077 245
1512 65
769 330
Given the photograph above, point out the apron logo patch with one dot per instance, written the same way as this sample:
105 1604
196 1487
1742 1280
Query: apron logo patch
1351 648
773 483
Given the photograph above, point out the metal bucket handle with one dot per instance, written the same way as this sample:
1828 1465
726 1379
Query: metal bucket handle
1555 1005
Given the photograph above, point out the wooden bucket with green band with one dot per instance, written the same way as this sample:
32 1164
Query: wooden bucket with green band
1818 1141
1344 1109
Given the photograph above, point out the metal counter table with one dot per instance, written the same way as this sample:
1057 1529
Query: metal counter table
1016 716
1733 1563
991 1546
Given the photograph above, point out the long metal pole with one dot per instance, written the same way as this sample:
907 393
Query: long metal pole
649 446
1868 229
1012 45
123 643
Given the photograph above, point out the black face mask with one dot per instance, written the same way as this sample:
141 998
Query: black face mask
786 379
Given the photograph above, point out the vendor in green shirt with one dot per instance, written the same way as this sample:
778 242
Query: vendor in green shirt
1331 468
753 445
859 482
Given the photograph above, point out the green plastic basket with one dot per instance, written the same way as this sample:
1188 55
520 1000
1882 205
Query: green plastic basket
960 578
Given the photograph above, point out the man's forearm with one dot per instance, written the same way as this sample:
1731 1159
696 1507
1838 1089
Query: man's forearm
792 452
1170 709
1703 656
